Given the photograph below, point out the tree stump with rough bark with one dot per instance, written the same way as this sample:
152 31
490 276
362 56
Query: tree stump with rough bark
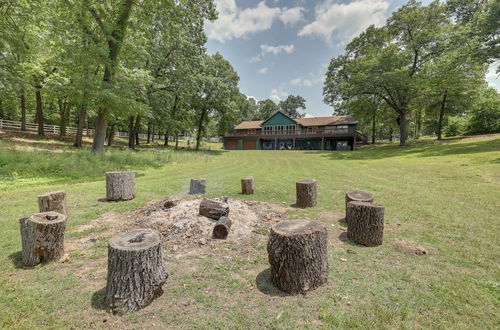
214 208
306 193
53 201
197 186
221 228
365 223
298 254
247 185
358 196
136 272
120 186
42 236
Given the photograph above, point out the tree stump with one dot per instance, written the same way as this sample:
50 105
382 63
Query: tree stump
197 186
221 228
136 272
358 196
53 201
298 254
214 208
247 185
365 223
306 193
170 202
42 236
120 186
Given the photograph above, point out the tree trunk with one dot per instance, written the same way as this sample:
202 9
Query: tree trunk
391 134
100 132
247 185
166 140
131 137
39 110
62 117
200 128
365 223
23 111
149 133
120 186
197 186
53 201
374 115
298 255
441 116
82 116
214 208
222 228
306 193
42 236
418 124
137 129
402 129
176 141
111 136
136 272
153 131
357 196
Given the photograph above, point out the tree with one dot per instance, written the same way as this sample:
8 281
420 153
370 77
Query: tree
265 109
292 104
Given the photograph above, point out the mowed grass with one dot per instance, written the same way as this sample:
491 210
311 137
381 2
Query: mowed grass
442 196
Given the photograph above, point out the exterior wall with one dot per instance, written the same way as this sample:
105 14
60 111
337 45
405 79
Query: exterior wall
279 119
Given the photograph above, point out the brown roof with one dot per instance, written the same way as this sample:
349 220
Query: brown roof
315 121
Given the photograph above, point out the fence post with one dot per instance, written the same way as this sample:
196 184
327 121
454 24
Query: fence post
54 129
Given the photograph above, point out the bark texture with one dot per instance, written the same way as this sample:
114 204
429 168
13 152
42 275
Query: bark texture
197 186
120 186
365 223
306 193
214 208
357 196
170 202
222 228
53 201
42 236
136 272
298 254
247 185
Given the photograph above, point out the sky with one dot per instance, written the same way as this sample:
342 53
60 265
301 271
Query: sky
282 47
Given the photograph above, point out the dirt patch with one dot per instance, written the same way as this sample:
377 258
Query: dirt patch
409 247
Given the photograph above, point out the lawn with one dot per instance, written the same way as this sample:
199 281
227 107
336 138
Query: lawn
443 196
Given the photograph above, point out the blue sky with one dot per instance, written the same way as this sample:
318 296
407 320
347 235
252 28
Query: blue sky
283 47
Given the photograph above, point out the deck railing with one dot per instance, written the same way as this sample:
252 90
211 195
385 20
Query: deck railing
264 134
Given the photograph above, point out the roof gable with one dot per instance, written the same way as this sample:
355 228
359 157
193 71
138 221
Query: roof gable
279 118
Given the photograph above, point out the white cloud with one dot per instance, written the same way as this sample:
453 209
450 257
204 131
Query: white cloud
492 76
307 115
308 81
277 49
292 16
277 94
345 20
263 70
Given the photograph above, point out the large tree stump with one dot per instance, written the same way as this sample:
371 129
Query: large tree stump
306 193
53 201
365 223
357 196
221 228
197 186
136 272
298 254
247 185
120 186
214 208
42 236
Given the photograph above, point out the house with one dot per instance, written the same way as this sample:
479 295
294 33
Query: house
281 132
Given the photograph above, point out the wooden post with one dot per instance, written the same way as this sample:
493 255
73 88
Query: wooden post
120 186
298 255
357 196
53 201
247 187
322 143
306 193
42 236
136 272
221 228
365 223
197 186
214 208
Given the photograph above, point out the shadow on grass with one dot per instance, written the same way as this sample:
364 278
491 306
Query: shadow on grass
17 259
98 298
344 238
263 282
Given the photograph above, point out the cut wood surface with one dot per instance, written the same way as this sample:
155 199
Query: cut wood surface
298 254
53 201
247 186
42 237
358 196
365 223
120 186
197 186
306 193
136 272
214 208
222 228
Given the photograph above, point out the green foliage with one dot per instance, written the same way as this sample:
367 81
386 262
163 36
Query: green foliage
456 126
485 117
292 104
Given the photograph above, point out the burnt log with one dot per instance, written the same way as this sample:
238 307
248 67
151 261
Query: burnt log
247 185
136 272
298 255
170 202
197 186
120 186
358 196
214 208
306 193
53 201
222 228
42 237
365 223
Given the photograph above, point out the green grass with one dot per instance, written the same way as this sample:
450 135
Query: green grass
443 196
